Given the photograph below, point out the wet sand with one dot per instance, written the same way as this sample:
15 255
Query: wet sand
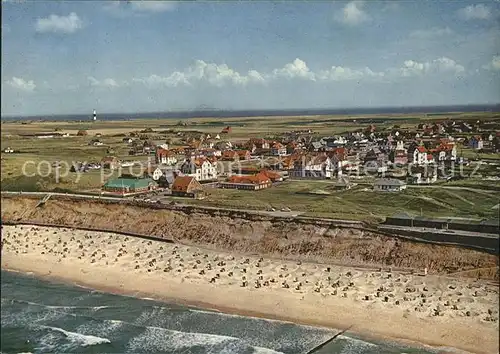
438 311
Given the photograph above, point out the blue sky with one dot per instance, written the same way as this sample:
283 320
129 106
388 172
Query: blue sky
70 57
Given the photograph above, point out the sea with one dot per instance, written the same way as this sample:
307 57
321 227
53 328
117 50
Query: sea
216 113
41 316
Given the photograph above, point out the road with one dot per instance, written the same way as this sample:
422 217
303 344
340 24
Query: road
476 190
440 231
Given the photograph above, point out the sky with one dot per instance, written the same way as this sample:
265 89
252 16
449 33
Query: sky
143 56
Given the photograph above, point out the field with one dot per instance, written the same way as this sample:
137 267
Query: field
475 197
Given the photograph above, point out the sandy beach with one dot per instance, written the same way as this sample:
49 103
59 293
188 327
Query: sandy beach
438 311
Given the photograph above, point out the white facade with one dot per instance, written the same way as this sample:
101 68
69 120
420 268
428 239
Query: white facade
205 171
167 159
419 158
157 173
278 150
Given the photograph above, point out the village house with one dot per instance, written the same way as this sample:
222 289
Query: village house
244 154
419 155
476 143
211 152
128 184
292 147
313 166
223 145
389 185
446 151
423 177
375 154
165 157
206 144
278 149
229 155
153 173
201 169
247 182
187 186
400 154
272 175
259 143
8 150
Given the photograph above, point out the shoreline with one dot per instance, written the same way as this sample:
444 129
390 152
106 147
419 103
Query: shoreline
187 288
236 312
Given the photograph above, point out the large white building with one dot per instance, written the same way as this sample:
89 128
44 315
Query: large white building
200 169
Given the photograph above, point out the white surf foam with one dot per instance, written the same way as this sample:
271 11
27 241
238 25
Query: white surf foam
155 339
260 350
79 338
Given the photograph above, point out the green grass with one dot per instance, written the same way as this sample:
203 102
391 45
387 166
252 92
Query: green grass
357 203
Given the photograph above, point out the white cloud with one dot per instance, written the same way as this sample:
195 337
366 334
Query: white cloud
431 33
353 14
440 65
222 75
21 84
339 73
123 9
61 24
153 6
213 74
494 64
106 83
297 69
475 12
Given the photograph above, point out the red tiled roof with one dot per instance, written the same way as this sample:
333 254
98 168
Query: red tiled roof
421 149
181 183
259 178
164 152
429 157
242 153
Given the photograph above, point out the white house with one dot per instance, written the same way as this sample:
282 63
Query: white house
389 185
165 157
420 156
423 178
8 150
211 152
156 174
310 166
200 169
278 149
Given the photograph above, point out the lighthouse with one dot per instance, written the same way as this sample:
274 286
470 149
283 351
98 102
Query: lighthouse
94 117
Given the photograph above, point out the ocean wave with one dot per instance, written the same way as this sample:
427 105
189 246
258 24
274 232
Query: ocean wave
155 339
359 343
83 340
5 301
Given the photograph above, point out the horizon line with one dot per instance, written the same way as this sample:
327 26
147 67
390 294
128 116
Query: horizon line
271 110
